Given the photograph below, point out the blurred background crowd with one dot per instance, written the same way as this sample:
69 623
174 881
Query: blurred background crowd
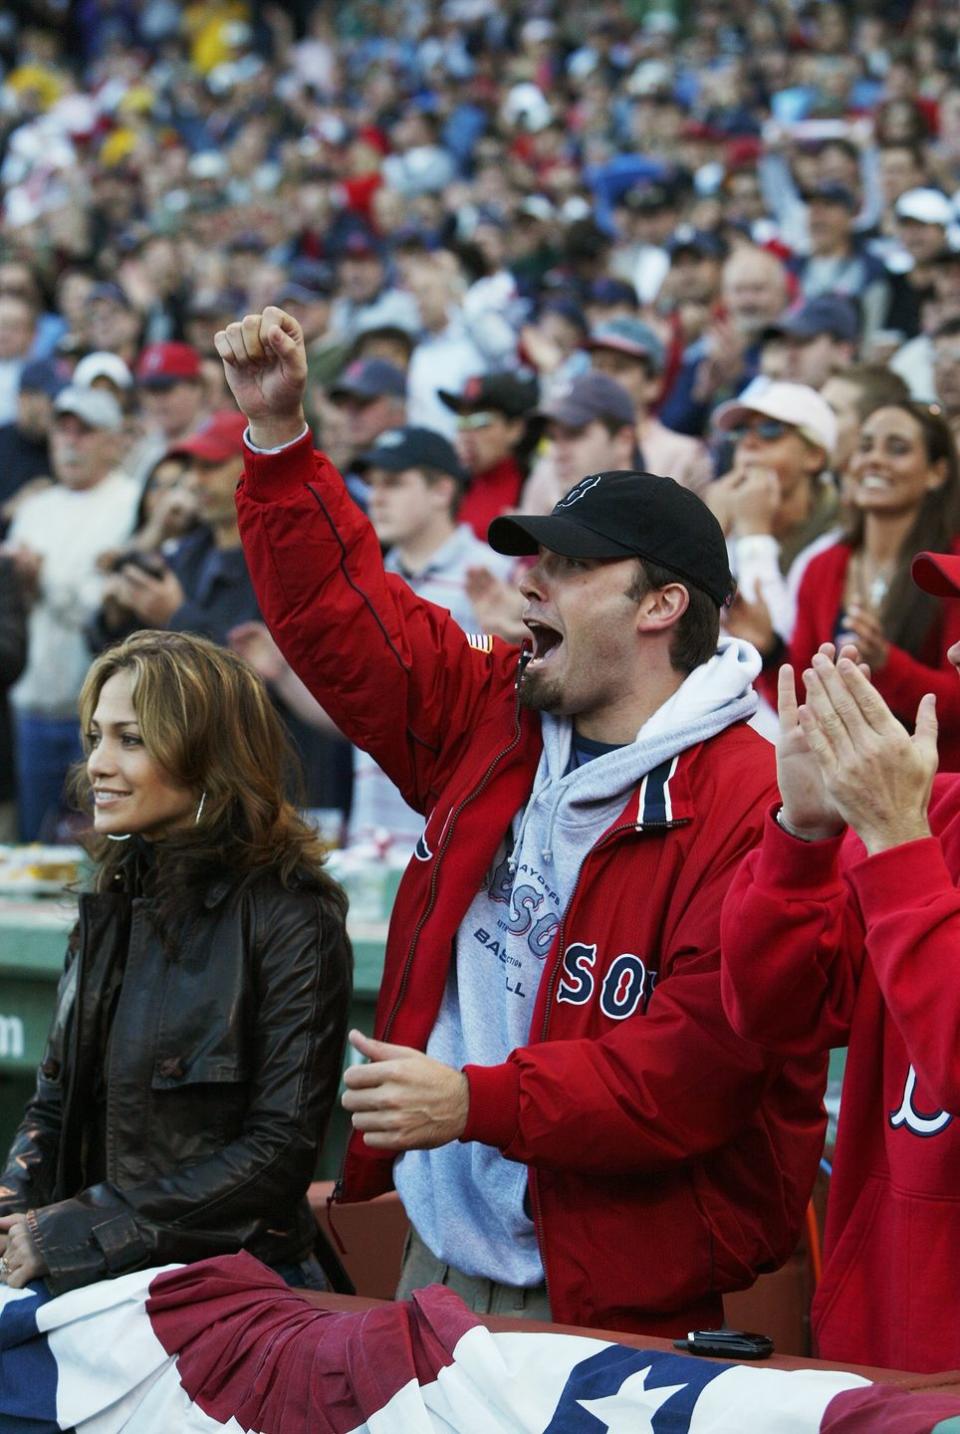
525 243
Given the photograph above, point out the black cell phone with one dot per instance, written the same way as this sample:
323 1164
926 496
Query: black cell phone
150 563
726 1344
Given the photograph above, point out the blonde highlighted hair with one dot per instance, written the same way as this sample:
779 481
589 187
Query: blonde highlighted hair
205 717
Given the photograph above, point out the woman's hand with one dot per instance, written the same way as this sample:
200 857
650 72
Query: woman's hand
21 1261
863 627
754 500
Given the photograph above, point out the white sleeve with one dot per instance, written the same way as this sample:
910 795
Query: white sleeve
757 565
280 446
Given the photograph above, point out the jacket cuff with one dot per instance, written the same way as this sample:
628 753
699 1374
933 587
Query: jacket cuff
270 475
899 878
494 1104
794 867
82 1243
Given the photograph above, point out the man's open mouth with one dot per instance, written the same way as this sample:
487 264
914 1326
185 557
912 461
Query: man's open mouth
546 642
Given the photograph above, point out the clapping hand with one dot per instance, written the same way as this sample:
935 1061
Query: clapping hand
807 809
874 774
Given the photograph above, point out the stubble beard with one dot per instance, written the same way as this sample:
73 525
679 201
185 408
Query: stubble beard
541 693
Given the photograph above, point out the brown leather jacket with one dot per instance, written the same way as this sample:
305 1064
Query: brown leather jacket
222 1066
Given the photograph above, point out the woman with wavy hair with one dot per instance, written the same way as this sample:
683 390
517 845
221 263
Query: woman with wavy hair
902 486
196 1045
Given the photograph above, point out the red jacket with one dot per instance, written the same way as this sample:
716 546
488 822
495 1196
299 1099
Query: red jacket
495 491
668 1159
903 679
824 946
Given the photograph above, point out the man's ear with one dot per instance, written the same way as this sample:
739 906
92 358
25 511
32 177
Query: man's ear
662 608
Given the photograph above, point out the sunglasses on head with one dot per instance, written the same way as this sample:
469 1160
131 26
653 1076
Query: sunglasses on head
769 429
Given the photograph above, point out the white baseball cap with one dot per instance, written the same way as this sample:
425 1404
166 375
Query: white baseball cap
102 364
794 403
93 406
926 206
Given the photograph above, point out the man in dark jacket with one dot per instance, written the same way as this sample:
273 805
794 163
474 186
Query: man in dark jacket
554 1089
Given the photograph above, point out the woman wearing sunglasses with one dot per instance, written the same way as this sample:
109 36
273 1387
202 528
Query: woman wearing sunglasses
777 501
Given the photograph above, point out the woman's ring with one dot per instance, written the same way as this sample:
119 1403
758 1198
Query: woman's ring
4 1269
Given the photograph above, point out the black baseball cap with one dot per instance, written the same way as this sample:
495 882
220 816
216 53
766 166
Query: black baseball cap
506 393
401 448
628 514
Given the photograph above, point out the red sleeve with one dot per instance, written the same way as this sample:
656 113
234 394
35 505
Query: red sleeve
912 912
792 944
395 673
666 1086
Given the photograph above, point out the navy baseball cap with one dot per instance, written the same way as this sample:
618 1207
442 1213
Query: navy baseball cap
628 514
42 376
370 378
401 448
828 314
613 291
592 395
703 243
110 293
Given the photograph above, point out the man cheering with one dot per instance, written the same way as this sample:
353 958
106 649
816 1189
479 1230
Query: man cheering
573 1126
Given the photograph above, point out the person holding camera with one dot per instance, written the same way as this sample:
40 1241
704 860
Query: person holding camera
201 585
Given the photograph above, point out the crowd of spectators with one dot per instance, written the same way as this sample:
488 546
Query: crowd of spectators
557 242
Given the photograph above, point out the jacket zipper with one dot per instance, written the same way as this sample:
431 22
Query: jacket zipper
74 1037
434 877
445 842
551 986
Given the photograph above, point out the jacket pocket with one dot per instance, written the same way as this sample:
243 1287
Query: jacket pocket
175 1072
887 1292
197 1105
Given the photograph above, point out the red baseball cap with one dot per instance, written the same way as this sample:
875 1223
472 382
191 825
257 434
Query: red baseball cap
161 365
220 437
937 573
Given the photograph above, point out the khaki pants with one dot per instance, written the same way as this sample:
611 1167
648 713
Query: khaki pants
484 1297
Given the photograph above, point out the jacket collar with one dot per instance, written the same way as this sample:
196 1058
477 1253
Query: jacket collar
664 797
